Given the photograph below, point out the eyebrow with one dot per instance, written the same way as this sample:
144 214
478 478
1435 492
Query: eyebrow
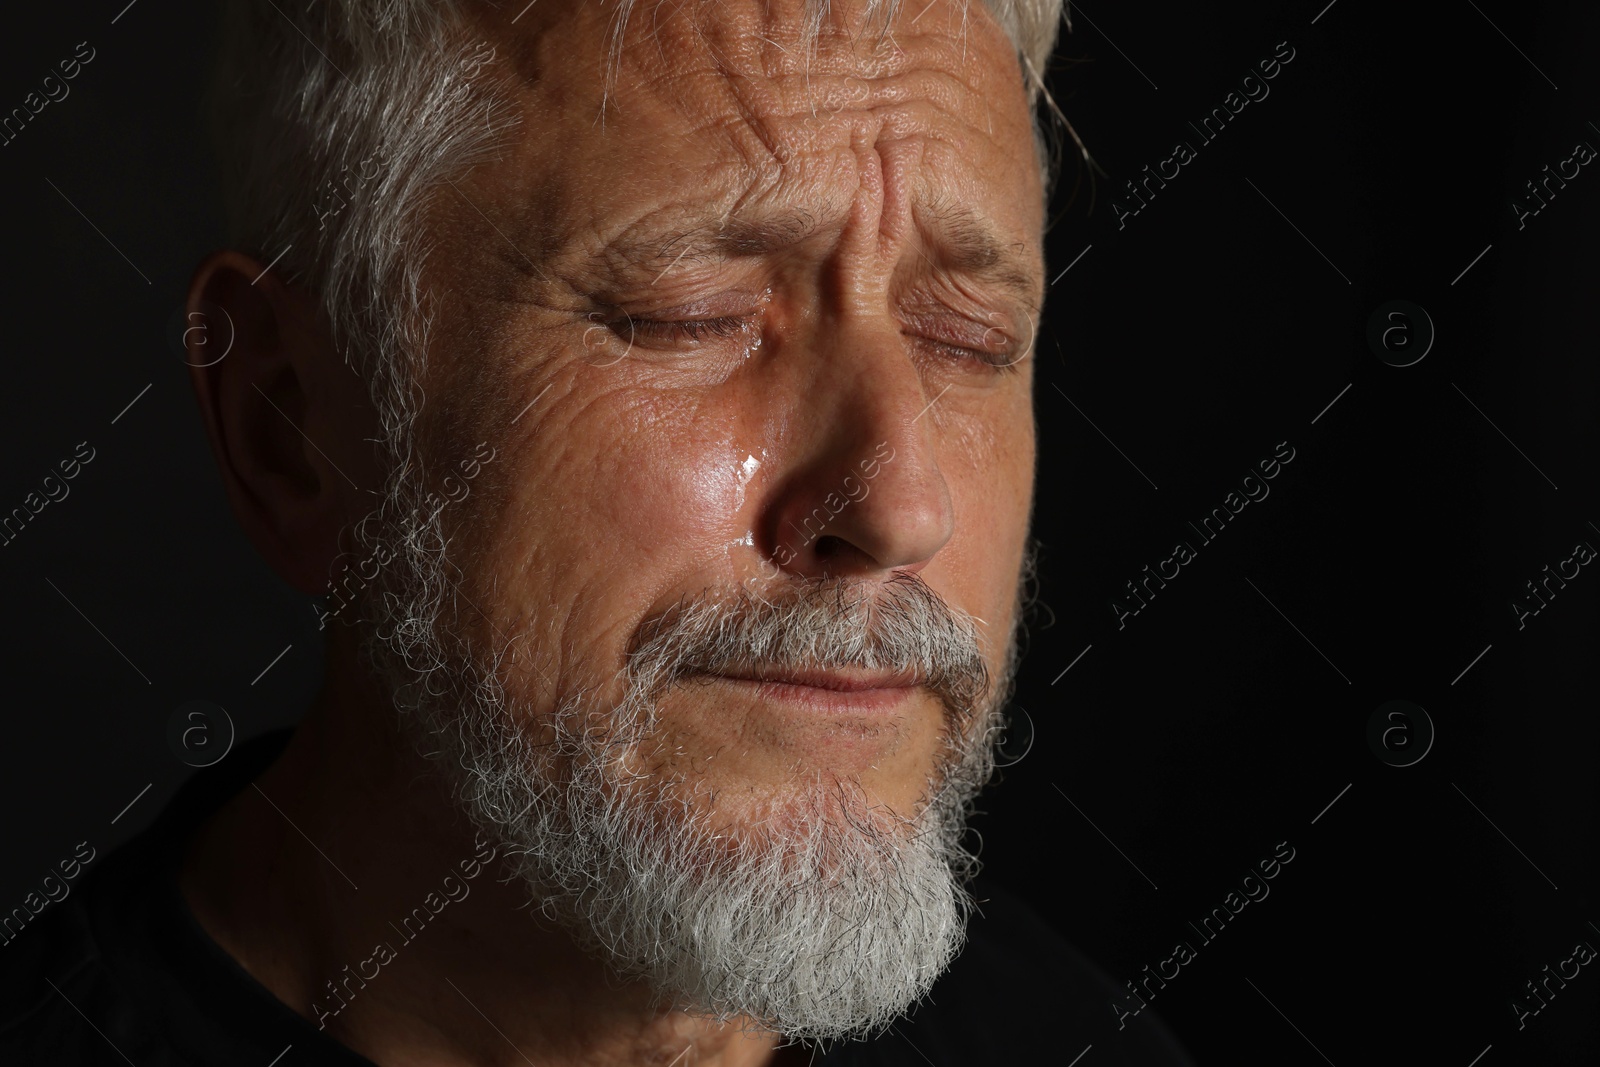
711 239
962 240
947 236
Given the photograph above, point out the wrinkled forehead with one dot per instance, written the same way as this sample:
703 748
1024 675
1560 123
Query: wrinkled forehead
813 38
736 102
633 45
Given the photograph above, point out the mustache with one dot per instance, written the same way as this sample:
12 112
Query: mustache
817 624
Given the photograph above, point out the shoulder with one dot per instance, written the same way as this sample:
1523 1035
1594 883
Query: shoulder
59 1002
93 978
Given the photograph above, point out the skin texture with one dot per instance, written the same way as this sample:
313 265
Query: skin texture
866 234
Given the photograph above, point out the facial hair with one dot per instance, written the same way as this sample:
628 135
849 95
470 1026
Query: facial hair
825 920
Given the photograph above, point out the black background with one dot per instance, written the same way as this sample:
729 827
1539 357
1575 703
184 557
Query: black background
1179 350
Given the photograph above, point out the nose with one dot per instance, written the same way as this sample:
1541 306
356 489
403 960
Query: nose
864 496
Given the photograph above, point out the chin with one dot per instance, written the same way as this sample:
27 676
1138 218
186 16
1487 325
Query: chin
776 881
808 907
813 911
783 821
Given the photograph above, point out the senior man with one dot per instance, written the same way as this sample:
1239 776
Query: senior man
644 390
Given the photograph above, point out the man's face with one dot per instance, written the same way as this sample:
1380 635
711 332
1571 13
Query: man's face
743 328
730 297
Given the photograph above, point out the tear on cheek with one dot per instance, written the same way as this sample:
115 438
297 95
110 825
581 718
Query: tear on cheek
744 471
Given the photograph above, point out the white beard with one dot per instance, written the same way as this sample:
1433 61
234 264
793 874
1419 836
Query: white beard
827 919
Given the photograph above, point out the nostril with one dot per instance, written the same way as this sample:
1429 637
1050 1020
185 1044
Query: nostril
829 547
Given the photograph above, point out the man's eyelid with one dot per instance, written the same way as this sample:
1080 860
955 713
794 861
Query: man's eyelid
1012 323
729 304
1005 340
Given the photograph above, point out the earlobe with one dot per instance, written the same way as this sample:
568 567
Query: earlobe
277 413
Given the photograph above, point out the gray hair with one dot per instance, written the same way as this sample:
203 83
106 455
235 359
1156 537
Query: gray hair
337 120
824 919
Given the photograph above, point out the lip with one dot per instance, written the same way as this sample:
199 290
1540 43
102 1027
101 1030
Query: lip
837 692
837 681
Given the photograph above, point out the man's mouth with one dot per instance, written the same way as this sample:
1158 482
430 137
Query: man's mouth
830 691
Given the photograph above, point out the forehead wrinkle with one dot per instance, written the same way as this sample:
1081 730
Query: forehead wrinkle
733 72
760 42
734 79
804 25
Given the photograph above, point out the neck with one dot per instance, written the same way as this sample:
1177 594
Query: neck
348 884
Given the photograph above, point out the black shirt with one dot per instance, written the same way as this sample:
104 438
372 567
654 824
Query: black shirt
120 972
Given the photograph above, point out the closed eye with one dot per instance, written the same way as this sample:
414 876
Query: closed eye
994 349
684 329
961 338
1003 359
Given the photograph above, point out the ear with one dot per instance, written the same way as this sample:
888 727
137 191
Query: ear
289 422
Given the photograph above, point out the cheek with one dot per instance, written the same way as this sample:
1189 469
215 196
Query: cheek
618 498
676 484
603 507
990 475
988 462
